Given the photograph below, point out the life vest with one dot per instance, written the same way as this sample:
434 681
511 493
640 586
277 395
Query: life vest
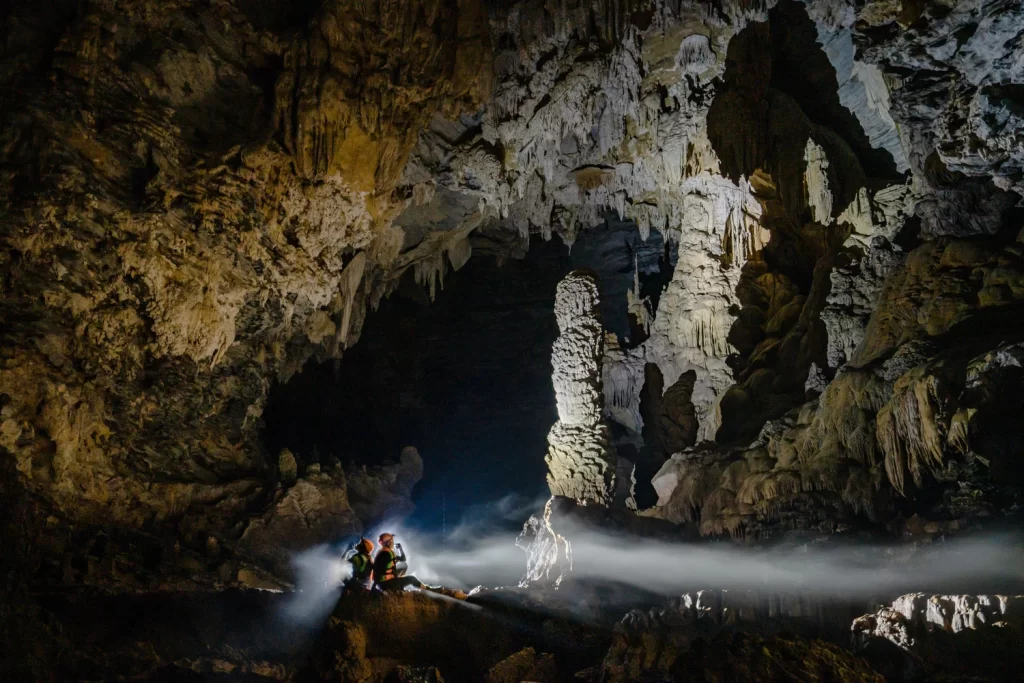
390 568
362 567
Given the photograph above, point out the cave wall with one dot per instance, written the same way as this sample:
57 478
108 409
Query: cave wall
198 197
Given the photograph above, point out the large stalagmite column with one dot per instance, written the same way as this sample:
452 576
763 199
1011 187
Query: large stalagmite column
581 464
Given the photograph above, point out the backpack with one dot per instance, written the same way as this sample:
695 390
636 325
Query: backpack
361 566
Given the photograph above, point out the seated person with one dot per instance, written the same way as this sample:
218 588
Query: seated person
386 572
362 565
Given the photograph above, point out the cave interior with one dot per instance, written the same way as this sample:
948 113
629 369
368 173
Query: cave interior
679 340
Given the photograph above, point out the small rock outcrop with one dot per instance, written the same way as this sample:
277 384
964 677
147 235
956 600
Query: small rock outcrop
328 503
314 510
525 665
287 467
969 636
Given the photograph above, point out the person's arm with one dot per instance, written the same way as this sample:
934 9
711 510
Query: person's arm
401 553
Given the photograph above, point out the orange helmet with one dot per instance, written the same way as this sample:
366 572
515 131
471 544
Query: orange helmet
366 545
386 539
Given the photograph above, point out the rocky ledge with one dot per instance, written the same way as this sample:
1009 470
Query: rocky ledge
512 636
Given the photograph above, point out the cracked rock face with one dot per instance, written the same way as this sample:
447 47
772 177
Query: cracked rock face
954 75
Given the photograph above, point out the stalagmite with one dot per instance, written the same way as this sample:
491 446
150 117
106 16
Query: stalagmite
580 462
548 553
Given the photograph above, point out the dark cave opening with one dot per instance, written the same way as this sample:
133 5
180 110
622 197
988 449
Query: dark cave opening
466 379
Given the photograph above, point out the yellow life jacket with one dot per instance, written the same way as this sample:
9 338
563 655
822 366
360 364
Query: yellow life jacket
390 568
362 567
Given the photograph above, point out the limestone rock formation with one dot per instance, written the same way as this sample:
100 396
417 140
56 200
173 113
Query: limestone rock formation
955 105
958 635
866 258
287 468
495 636
915 615
711 636
548 553
246 219
190 213
670 421
784 201
525 665
581 463
893 429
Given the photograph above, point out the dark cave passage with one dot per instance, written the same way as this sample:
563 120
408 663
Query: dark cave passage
466 379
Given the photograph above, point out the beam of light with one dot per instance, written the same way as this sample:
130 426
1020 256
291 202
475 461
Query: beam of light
482 551
320 572
484 554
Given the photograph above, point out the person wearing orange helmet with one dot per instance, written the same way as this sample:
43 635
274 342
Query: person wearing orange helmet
362 565
386 572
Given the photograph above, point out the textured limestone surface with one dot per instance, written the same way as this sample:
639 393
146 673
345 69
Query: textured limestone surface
581 462
196 198
733 635
916 614
955 636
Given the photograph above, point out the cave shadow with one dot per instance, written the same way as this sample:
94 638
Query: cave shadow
779 90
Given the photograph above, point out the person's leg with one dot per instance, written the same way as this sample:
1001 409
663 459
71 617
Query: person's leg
400 583
410 581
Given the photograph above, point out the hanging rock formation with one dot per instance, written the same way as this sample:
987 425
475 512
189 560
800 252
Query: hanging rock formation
581 463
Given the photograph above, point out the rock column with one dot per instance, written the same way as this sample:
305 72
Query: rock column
581 464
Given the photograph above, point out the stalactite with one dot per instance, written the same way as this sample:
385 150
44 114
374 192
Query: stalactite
817 193
623 374
910 429
351 277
